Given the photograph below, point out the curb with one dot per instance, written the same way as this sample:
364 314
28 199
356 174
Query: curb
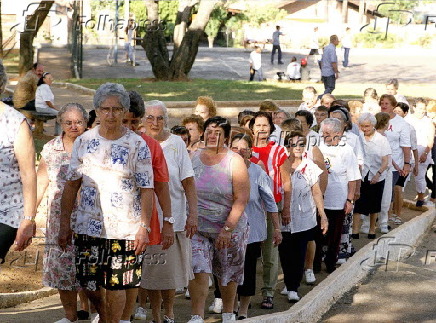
395 245
13 299
75 87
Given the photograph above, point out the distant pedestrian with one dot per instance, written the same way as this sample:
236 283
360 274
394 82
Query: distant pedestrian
276 45
329 65
346 45
294 70
314 44
256 64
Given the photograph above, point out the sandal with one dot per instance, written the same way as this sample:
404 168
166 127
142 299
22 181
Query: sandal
267 303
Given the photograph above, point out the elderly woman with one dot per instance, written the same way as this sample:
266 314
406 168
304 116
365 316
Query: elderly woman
306 200
17 178
260 206
195 126
59 271
111 166
277 165
161 281
376 163
218 247
44 98
370 101
205 108
343 172
306 121
398 135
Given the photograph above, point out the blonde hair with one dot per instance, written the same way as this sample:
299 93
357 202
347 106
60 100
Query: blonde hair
209 103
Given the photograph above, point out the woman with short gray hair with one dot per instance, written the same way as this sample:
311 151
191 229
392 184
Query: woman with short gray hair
108 90
59 270
376 163
343 172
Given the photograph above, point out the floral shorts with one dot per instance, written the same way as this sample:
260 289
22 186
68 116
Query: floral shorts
107 263
226 264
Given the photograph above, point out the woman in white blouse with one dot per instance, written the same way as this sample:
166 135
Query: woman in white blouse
306 199
377 152
44 98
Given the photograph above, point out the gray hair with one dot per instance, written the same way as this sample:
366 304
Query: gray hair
70 107
366 116
333 123
112 89
3 78
343 115
157 104
287 114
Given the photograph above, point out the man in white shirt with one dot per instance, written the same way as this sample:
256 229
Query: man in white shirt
256 64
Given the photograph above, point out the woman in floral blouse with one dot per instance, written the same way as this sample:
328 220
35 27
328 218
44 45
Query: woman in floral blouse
59 269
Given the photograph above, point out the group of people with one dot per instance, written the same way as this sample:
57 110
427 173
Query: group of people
139 211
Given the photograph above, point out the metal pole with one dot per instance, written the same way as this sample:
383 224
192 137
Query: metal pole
116 33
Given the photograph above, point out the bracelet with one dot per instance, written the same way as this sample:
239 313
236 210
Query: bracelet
378 172
406 163
278 230
29 218
143 225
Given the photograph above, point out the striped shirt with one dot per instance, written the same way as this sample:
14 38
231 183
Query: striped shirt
273 156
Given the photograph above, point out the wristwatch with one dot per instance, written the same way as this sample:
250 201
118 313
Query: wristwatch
169 219
30 218
227 229
351 201
143 225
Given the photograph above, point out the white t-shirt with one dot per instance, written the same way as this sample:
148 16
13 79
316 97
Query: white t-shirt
313 138
43 94
179 168
255 60
426 130
398 134
342 168
371 107
294 70
303 208
375 148
355 142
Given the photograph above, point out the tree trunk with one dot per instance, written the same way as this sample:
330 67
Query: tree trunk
30 31
362 12
210 39
154 43
1 32
344 11
182 20
183 58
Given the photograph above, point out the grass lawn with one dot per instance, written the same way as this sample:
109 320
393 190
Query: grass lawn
228 90
11 62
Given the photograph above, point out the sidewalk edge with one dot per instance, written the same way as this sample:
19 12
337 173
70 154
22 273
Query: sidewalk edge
13 299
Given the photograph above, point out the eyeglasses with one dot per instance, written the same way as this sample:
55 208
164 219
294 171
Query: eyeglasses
151 118
115 110
242 150
70 123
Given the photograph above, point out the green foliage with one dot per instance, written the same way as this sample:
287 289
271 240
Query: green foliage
425 41
391 9
216 20
375 38
259 15
168 14
323 41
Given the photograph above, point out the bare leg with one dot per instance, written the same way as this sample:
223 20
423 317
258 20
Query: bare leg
228 294
131 295
98 300
142 297
398 201
115 303
244 302
198 289
310 255
84 301
69 302
168 302
356 223
372 220
421 196
156 303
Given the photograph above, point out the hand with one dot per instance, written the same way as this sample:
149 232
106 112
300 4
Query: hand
324 224
191 225
65 236
277 237
356 195
337 75
348 207
286 216
375 179
167 235
415 170
141 241
405 171
223 239
24 235
422 158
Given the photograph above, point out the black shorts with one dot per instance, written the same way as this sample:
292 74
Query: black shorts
314 51
107 263
7 238
401 181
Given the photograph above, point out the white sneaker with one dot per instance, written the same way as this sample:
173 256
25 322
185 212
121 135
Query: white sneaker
293 297
228 317
210 282
180 290
187 294
284 291
65 320
196 319
140 314
95 318
310 277
384 228
364 228
216 306
341 261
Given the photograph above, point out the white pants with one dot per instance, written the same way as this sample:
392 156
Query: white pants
386 199
420 183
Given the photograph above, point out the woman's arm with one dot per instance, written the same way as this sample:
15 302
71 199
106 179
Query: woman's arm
406 168
68 199
25 154
383 167
42 181
163 196
141 237
191 198
319 202
241 194
285 172
51 105
430 142
318 159
348 207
